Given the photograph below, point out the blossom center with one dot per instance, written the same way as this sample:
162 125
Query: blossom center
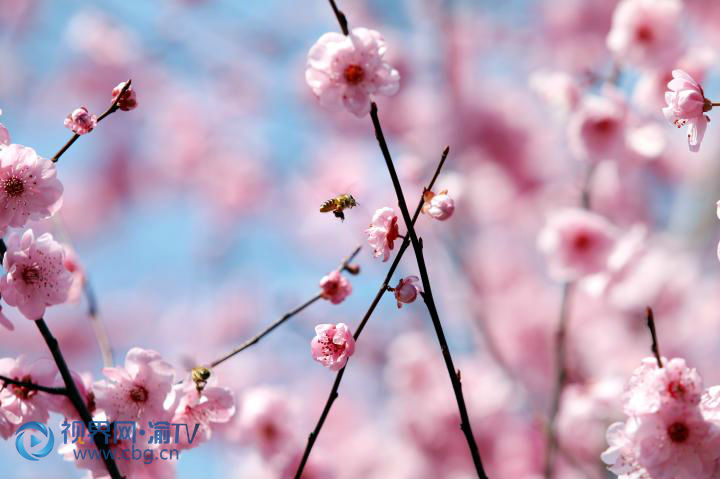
138 394
21 391
605 125
678 432
269 431
13 186
676 389
31 275
329 348
644 34
354 74
582 241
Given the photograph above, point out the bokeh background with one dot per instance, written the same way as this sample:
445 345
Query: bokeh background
196 218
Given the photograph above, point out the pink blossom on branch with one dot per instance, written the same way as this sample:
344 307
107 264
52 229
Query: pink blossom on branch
596 129
212 406
332 345
438 206
686 105
407 290
19 404
128 100
335 287
35 275
345 71
29 188
382 232
576 243
81 121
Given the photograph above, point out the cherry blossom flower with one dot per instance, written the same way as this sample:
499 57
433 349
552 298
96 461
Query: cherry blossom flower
213 405
128 101
558 89
348 70
645 33
407 290
335 287
382 233
576 243
265 418
63 405
332 345
137 391
29 189
686 105
651 388
81 121
596 130
35 274
439 206
19 404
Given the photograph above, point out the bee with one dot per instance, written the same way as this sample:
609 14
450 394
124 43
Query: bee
200 376
338 204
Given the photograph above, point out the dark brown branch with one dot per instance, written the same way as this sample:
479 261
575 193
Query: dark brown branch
30 386
465 425
342 20
655 347
345 265
74 395
112 109
378 296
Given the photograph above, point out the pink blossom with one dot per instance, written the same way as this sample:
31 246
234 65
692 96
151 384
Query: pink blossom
596 130
348 70
332 345
128 100
62 404
73 265
652 388
645 33
80 121
382 233
687 106
439 206
559 89
5 322
29 189
407 290
265 419
213 405
576 243
35 274
335 287
137 391
19 404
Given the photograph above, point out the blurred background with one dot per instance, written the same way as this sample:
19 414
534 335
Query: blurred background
196 219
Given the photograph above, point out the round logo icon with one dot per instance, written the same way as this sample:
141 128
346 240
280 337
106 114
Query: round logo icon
34 440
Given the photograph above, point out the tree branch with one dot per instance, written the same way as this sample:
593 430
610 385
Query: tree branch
32 386
381 291
342 20
655 347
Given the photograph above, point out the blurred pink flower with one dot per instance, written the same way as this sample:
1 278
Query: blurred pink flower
407 290
439 206
651 388
265 419
73 265
596 130
213 405
576 243
383 232
62 405
686 105
128 101
4 134
332 345
5 322
35 274
80 121
137 391
646 33
335 287
558 89
29 189
19 404
347 70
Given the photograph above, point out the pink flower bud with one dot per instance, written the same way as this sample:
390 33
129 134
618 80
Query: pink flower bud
335 288
383 231
80 121
439 206
686 105
407 290
332 345
127 101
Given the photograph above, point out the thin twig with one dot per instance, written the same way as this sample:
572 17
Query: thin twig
427 295
345 265
655 347
378 296
112 109
341 18
77 401
30 386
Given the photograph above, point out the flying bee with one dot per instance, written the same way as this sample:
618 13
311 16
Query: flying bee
200 376
338 204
